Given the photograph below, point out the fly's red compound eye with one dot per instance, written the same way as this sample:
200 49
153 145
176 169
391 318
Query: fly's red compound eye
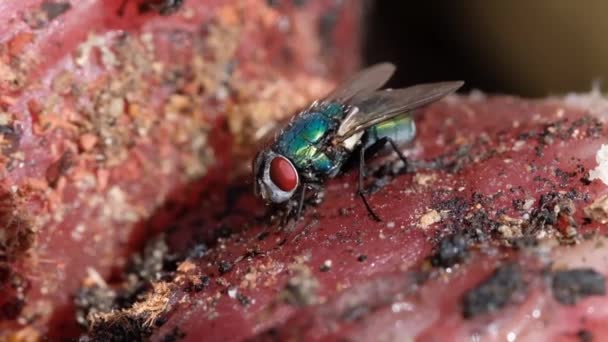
283 174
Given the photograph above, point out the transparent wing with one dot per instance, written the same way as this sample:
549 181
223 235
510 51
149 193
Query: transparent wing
363 82
386 104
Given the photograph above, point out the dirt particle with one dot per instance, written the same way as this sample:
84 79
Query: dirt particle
224 267
93 300
47 12
424 179
510 228
54 9
174 335
584 335
17 233
272 3
11 308
493 293
205 281
9 138
585 179
326 266
59 168
134 323
452 250
163 7
429 218
301 288
243 300
362 258
570 286
151 264
598 210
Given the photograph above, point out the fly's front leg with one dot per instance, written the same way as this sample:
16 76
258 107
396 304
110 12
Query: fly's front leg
301 202
360 190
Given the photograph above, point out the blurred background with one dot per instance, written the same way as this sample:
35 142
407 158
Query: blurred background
530 48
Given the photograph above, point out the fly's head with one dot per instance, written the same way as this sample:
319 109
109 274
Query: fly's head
275 177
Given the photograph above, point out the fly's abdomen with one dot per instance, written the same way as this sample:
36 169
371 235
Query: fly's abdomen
401 129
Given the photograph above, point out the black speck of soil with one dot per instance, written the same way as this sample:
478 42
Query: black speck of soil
198 251
199 286
59 168
222 233
362 258
584 335
272 3
5 274
224 267
564 176
11 138
174 335
518 204
263 235
570 286
545 214
325 268
585 179
494 293
300 290
452 250
355 313
162 7
205 281
54 9
48 11
10 309
243 300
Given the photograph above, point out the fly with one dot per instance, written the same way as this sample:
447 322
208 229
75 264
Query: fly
315 143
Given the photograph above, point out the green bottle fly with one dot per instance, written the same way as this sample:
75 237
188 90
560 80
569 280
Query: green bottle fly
315 144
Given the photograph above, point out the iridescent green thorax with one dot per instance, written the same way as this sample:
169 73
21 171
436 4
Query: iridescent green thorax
306 141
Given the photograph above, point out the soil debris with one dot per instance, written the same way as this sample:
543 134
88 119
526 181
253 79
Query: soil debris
494 293
301 288
570 286
451 251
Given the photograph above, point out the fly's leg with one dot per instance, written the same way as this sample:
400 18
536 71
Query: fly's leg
360 190
301 202
286 222
399 153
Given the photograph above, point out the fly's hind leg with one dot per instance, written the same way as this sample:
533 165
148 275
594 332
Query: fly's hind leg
360 186
391 142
